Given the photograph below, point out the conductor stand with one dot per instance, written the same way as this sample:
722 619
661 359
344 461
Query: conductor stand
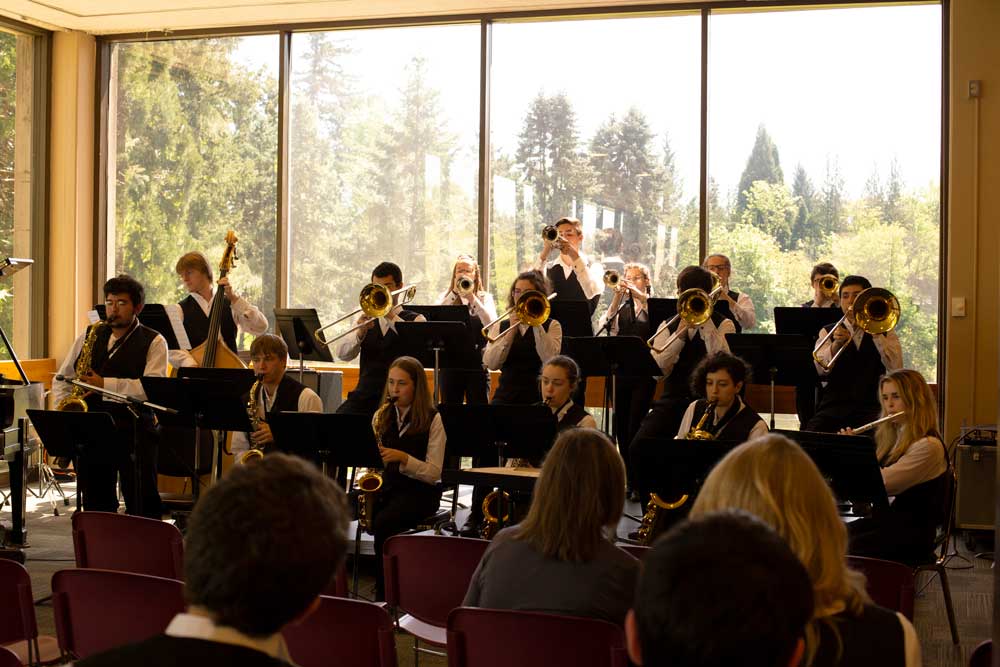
439 345
296 326
784 359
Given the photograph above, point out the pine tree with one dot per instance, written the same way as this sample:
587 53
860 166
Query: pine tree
762 165
804 232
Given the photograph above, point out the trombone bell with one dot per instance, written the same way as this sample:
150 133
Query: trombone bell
532 308
876 310
374 301
694 306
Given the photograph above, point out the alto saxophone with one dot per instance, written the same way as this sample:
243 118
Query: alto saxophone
649 527
73 402
255 453
370 481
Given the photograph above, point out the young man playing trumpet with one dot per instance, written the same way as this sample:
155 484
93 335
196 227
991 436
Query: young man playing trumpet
851 394
738 304
377 343
573 276
276 392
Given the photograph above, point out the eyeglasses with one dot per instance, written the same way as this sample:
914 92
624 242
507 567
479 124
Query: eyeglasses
717 267
119 303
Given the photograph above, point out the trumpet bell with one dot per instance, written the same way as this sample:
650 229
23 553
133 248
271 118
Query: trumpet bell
876 310
829 285
550 234
612 279
465 286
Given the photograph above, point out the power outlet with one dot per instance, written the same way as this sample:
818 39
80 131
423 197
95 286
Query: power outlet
975 88
958 306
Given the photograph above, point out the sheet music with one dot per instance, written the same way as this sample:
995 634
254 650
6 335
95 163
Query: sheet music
93 317
176 316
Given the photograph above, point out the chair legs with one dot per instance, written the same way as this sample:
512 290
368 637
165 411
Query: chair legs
942 573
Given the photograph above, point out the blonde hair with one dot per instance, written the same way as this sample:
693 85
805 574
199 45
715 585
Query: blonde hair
477 281
643 269
921 419
774 479
422 409
579 496
194 260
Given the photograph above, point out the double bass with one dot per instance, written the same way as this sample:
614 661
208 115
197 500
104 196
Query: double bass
213 352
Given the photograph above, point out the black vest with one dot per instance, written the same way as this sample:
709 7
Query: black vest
572 418
377 354
677 384
164 651
736 424
414 444
569 289
129 361
915 515
196 322
287 399
723 308
628 325
852 384
873 639
519 373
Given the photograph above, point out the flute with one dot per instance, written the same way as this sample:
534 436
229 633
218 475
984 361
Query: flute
870 425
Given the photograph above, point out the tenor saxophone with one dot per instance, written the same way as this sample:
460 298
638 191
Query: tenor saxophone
255 453
370 481
73 402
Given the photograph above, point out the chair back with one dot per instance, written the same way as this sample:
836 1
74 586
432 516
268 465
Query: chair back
350 633
96 610
496 638
427 575
982 655
17 608
337 588
111 541
889 584
636 550
948 512
9 659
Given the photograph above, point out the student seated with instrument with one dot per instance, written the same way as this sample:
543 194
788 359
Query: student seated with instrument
377 345
561 558
734 304
914 469
261 546
851 393
773 479
275 391
240 315
722 414
411 440
699 596
466 289
820 278
573 275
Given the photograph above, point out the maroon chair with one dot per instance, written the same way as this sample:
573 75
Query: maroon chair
9 659
636 550
500 637
982 655
889 584
96 610
110 541
18 627
426 576
350 633
338 587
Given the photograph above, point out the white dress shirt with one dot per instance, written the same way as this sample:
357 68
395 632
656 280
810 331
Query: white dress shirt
309 401
486 314
590 274
547 343
637 308
429 469
887 345
714 337
759 429
350 345
156 366
743 311
246 316
923 461
587 421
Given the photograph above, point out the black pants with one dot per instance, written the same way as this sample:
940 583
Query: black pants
400 509
472 387
633 397
101 471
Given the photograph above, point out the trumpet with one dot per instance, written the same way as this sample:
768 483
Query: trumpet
551 234
870 425
532 308
876 310
829 285
464 286
694 306
374 301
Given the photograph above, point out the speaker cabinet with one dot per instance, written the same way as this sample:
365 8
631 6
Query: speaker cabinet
977 474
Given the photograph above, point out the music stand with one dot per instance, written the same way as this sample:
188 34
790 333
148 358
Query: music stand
327 439
154 316
573 317
804 321
849 464
660 310
437 345
80 436
296 326
784 359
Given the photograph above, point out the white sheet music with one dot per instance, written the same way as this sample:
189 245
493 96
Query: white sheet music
176 316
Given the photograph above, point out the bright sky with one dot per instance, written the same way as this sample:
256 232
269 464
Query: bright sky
858 85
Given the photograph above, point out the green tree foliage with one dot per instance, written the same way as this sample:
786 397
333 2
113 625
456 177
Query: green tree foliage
804 230
762 165
8 95
771 208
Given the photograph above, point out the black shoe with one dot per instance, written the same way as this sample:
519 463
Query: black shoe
470 529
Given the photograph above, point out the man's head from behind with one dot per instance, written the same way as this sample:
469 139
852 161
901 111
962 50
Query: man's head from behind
263 543
723 589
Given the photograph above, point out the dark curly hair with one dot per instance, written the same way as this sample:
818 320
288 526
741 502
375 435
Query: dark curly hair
738 370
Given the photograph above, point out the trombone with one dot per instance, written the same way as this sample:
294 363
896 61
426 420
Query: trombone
694 306
876 310
374 301
532 308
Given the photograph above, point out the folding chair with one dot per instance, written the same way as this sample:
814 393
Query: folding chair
889 584
350 633
97 610
636 550
18 626
110 541
940 560
9 659
982 655
497 638
426 576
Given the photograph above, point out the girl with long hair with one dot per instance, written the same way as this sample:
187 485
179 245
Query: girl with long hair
472 386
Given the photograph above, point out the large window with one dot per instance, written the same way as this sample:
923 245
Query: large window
383 159
598 119
194 154
825 153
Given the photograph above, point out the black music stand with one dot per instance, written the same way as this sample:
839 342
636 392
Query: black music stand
438 345
329 440
154 316
849 464
80 436
804 321
784 359
660 310
296 326
573 317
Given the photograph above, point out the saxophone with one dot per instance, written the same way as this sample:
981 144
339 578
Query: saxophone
73 402
254 454
371 481
649 528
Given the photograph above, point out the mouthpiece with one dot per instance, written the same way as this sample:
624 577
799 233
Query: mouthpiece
60 377
392 399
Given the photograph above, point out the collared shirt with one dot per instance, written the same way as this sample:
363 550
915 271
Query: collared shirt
547 343
923 461
743 311
429 469
246 316
587 421
888 346
309 401
350 346
759 429
639 309
196 626
590 274
156 366
714 337
486 314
